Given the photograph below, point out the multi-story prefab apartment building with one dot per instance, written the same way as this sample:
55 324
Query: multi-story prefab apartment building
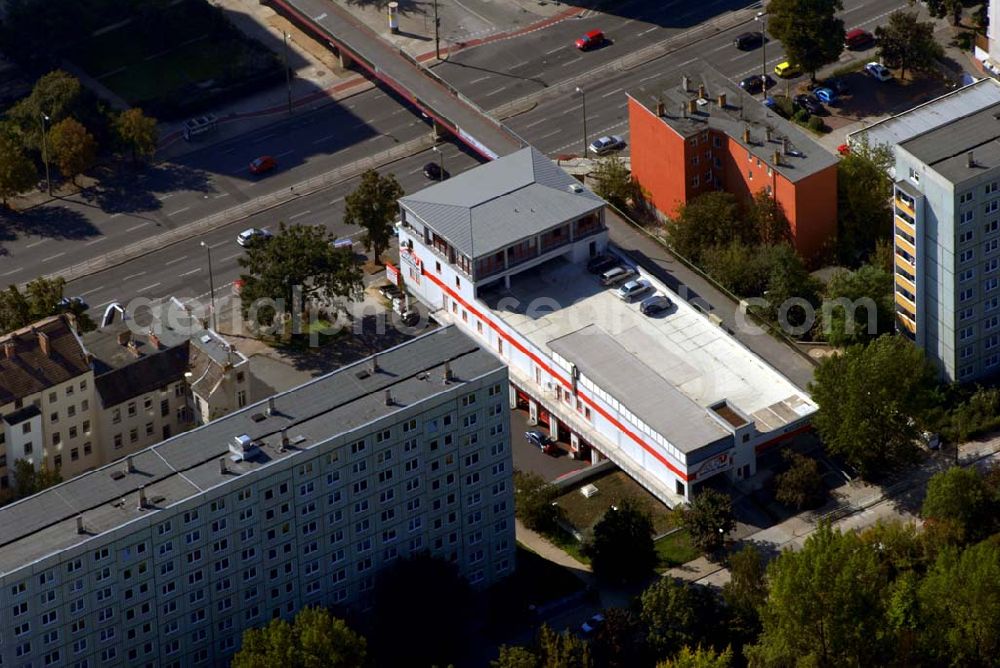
946 218
164 558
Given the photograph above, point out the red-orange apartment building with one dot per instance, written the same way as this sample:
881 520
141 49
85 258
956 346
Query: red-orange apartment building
694 134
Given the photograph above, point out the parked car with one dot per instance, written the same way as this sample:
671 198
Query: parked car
603 145
757 83
655 304
541 441
590 626
809 103
616 275
433 171
591 40
263 164
825 95
786 70
72 304
858 39
749 40
600 264
632 289
248 236
878 71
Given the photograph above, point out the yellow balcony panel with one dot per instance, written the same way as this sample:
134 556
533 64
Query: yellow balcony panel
907 324
904 225
907 305
906 245
903 206
905 264
905 283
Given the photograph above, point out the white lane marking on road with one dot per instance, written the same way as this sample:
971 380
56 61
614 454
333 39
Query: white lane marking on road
115 215
95 241
320 17
84 294
614 92
570 62
538 122
175 260
131 276
135 227
558 48
181 210
288 152
474 13
36 243
221 243
188 273
494 92
52 257
148 287
230 257
221 195
323 139
167 196
100 306
554 132
334 201
12 271
648 30
299 215
479 79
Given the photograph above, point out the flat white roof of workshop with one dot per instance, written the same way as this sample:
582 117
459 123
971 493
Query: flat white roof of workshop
679 357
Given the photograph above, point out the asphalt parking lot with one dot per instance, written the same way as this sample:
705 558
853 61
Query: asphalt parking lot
528 457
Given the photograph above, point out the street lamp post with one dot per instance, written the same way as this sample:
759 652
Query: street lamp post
211 282
437 36
583 97
762 17
440 160
45 153
288 72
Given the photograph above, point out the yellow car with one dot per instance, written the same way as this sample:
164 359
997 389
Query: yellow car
786 70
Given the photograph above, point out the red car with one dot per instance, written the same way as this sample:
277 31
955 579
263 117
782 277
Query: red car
591 40
263 164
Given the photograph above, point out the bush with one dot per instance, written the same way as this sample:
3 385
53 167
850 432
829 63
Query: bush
801 116
801 486
816 124
784 106
533 498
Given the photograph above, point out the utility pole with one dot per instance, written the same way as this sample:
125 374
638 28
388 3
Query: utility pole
437 37
583 96
440 160
45 153
762 17
211 283
288 73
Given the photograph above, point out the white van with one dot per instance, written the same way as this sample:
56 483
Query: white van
616 275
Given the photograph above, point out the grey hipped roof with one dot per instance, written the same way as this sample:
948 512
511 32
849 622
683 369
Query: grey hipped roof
656 402
497 204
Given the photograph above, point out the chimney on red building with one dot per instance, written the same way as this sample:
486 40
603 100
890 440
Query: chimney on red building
660 108
777 158
685 84
786 147
767 134
154 341
721 99
692 106
8 350
701 92
746 134
43 343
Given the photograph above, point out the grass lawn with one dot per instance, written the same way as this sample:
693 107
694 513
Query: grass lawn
583 513
675 549
567 543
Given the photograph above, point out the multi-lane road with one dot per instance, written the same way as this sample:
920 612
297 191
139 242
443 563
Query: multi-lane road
215 178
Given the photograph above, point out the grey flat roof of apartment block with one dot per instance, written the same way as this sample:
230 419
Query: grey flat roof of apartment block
497 204
740 112
187 464
946 149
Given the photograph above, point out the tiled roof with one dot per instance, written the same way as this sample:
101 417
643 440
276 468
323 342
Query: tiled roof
28 369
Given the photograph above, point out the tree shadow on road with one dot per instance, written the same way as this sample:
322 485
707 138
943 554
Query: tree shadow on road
53 221
125 189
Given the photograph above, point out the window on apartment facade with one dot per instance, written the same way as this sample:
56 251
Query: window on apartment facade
118 441
965 197
241 398
131 408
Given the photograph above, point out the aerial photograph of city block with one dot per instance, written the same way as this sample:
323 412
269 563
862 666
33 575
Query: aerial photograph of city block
500 333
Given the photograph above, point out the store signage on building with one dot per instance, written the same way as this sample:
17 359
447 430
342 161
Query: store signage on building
412 264
714 465
392 273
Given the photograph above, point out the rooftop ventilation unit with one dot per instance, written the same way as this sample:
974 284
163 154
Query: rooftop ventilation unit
242 447
575 188
588 490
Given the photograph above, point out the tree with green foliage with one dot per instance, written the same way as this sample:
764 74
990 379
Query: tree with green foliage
960 602
864 196
740 267
903 619
961 497
314 639
907 43
899 545
699 658
136 132
711 219
792 293
372 206
72 147
613 181
800 486
436 635
620 642
41 298
622 545
296 267
679 613
28 480
859 306
744 594
871 400
810 31
533 501
550 650
17 171
824 606
709 518
57 94
767 217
